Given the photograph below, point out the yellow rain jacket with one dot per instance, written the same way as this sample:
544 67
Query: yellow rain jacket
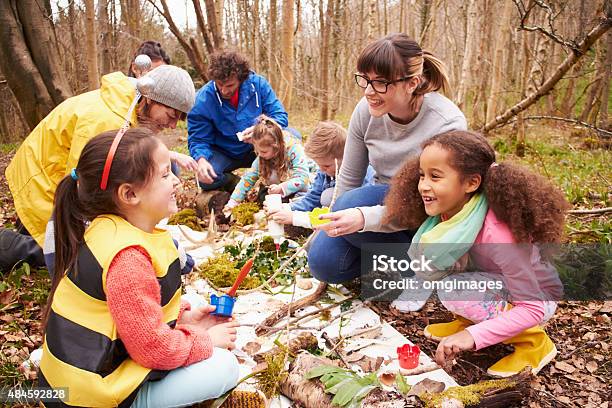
53 148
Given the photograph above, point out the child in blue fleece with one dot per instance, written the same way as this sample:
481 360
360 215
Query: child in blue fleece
326 147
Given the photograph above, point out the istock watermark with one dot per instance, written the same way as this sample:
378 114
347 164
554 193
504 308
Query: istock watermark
384 263
483 272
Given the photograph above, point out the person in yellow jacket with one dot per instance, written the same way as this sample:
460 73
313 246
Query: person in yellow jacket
54 147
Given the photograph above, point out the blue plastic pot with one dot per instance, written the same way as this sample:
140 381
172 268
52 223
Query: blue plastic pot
224 305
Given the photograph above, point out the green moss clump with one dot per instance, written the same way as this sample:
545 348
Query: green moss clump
267 244
221 271
244 213
186 217
468 395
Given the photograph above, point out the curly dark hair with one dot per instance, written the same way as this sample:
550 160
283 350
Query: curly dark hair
529 204
227 63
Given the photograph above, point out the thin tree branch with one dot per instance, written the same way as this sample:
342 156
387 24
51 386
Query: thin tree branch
603 132
598 31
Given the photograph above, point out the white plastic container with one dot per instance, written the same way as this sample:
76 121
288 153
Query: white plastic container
276 230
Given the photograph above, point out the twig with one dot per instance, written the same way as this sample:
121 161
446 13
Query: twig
203 241
198 183
567 120
280 268
290 308
421 369
318 311
588 344
332 347
592 211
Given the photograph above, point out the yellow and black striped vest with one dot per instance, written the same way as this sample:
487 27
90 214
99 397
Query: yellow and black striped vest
82 350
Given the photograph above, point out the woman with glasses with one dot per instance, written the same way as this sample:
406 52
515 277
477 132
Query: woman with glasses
400 109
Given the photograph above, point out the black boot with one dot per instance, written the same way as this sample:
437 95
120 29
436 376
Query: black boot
16 247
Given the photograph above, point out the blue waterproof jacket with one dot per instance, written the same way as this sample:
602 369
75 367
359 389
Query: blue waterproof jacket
213 122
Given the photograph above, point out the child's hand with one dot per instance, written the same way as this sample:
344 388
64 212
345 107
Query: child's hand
227 210
224 335
452 345
201 316
275 189
283 216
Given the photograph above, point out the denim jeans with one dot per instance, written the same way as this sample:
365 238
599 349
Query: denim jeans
186 386
336 260
223 164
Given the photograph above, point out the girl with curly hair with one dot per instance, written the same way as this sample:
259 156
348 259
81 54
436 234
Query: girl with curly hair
280 162
473 213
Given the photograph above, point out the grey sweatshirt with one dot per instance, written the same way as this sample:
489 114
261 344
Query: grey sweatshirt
386 145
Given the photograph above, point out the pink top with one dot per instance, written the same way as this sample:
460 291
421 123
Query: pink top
133 296
529 279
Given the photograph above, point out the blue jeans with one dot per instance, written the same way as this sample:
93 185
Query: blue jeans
336 260
223 164
186 386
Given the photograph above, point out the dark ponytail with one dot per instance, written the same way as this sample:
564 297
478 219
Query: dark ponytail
80 201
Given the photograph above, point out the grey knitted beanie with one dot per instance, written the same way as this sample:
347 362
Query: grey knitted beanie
173 87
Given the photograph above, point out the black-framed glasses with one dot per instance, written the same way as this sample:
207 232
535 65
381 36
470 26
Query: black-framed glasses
379 85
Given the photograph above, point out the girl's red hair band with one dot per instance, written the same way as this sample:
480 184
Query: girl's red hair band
111 156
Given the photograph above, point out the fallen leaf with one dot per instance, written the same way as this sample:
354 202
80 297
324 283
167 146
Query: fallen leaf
591 366
563 366
251 347
589 336
427 385
387 378
12 337
564 399
304 284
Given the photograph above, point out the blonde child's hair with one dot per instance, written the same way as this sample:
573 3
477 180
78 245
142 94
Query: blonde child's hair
268 133
327 140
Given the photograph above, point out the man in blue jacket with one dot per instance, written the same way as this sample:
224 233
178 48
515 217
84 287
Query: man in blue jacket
226 108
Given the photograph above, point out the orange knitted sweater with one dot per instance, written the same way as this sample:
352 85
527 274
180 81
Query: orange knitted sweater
133 296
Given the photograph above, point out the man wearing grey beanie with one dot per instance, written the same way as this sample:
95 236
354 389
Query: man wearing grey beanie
53 148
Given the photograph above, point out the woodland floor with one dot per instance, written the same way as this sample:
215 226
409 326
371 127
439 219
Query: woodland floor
579 376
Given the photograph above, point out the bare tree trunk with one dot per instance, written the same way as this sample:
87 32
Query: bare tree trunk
32 73
482 66
92 48
131 15
202 27
215 21
272 40
520 123
593 101
581 48
287 52
372 26
255 35
105 32
498 67
325 21
470 48
603 111
190 46
402 6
